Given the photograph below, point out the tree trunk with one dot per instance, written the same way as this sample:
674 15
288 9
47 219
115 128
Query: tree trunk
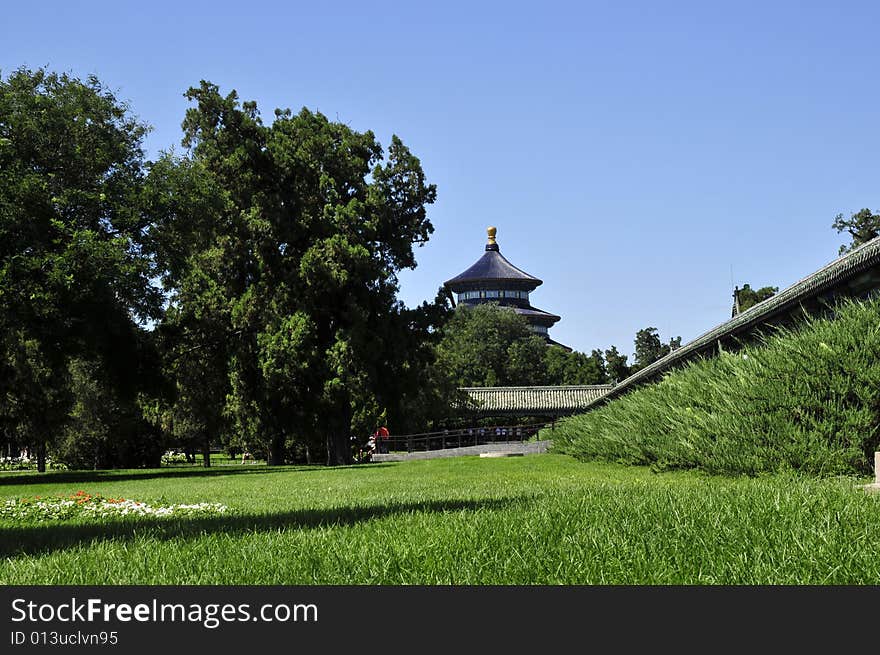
338 448
275 456
41 457
206 453
339 439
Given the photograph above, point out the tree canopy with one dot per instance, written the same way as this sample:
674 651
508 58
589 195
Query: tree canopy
616 365
277 325
748 297
649 348
74 279
862 226
491 346
574 368
287 252
488 345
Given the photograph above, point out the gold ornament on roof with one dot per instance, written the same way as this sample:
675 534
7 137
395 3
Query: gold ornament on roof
491 231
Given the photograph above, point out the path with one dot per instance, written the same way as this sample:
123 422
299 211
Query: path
525 447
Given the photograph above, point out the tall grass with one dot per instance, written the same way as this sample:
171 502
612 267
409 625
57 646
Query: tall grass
540 519
805 399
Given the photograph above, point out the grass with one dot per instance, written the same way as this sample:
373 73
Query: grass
540 519
806 399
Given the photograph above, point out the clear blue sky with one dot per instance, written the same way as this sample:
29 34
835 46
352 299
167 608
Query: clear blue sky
638 157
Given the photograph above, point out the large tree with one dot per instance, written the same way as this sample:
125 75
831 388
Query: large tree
295 267
74 282
862 226
194 335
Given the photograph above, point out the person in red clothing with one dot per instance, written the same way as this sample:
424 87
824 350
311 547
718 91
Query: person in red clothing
382 435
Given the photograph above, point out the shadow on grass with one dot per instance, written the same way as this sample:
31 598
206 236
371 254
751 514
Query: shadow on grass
39 539
110 475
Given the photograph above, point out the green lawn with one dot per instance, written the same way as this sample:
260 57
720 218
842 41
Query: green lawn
540 519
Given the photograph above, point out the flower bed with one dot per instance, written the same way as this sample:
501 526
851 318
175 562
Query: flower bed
25 463
82 504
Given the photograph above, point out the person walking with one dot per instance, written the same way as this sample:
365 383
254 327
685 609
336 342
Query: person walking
382 437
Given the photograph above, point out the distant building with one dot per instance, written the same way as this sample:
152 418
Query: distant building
494 279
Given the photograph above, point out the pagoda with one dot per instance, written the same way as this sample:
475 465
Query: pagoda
494 279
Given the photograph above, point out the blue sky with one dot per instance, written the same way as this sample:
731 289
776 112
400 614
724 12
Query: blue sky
638 157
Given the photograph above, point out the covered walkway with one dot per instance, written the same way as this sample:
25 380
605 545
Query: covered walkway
546 402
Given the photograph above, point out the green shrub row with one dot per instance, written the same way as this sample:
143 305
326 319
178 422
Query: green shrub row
804 399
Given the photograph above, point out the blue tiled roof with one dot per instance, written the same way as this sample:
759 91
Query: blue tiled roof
492 267
534 312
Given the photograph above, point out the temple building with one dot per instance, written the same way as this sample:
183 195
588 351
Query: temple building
494 279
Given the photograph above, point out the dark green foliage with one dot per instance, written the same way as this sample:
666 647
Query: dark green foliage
73 276
283 245
600 366
278 248
807 400
566 368
862 226
103 428
491 346
649 348
616 365
749 297
415 397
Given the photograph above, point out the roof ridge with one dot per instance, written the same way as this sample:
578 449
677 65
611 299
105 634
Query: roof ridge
548 387
863 256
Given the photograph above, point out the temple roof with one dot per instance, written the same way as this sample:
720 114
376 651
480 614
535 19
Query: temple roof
493 267
535 313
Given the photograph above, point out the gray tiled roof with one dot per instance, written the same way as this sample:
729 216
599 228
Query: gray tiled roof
850 274
524 400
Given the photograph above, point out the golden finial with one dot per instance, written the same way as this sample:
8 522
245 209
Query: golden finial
491 231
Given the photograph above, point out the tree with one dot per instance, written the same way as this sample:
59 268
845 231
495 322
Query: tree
194 333
649 348
748 297
34 401
616 365
414 395
566 368
862 226
74 281
599 362
309 224
196 364
491 346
